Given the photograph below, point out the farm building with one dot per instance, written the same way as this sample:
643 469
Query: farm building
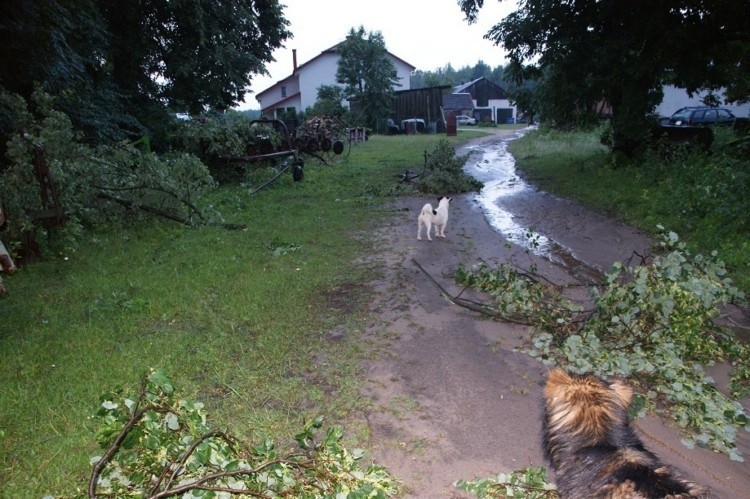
490 101
299 90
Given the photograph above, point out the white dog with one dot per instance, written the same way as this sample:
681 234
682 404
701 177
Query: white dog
437 217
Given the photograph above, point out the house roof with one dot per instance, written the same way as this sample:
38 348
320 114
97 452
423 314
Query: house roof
462 87
485 83
457 101
330 50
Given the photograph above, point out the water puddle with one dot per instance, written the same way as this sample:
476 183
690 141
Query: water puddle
496 168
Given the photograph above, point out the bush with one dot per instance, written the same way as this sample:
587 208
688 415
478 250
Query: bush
443 172
217 137
45 151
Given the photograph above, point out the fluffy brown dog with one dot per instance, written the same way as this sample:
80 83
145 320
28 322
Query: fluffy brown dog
592 448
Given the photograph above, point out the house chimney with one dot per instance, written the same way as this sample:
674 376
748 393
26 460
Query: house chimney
294 59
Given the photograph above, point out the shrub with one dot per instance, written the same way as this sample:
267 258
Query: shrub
443 172
44 150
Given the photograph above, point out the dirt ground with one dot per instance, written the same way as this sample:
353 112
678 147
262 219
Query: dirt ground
450 399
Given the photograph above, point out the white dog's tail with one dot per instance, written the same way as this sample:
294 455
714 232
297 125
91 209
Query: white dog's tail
427 209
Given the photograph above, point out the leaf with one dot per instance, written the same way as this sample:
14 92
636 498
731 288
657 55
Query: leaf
173 422
109 405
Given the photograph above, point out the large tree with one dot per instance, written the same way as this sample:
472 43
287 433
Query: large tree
588 51
368 75
193 55
106 60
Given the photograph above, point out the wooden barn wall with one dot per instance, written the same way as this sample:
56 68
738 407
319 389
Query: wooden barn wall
484 90
421 103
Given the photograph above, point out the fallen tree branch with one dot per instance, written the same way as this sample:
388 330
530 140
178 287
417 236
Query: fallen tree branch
156 211
483 309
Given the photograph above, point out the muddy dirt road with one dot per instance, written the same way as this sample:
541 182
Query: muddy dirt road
450 398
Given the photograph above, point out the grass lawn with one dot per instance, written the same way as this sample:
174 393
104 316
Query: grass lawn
239 319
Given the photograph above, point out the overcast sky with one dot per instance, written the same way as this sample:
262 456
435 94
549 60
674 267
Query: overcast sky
427 34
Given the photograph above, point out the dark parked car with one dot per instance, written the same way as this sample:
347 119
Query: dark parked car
393 128
702 116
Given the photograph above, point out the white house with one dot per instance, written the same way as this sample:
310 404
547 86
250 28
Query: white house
676 98
299 90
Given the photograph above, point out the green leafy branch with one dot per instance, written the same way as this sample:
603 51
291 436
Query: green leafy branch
159 446
655 324
528 483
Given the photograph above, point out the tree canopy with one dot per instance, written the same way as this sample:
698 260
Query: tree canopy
622 53
367 73
118 65
447 75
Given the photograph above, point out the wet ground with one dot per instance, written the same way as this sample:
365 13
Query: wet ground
450 397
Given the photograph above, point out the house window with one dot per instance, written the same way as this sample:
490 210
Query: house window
283 91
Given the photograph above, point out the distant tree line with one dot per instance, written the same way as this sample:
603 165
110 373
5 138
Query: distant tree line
448 75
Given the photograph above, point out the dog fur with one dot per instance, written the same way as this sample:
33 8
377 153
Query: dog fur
593 450
437 217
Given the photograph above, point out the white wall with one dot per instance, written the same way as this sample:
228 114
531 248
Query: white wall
321 71
316 73
403 73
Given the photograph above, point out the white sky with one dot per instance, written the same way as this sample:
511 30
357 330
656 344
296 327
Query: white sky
428 34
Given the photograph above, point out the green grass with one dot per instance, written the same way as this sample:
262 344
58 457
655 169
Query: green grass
238 318
702 198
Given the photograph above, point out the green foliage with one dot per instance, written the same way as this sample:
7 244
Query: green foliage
118 68
700 196
564 46
241 319
528 483
443 172
654 324
518 296
160 444
447 75
368 75
80 176
329 103
215 137
707 190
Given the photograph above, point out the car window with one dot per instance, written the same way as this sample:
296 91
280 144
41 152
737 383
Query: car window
681 115
724 115
698 116
710 116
